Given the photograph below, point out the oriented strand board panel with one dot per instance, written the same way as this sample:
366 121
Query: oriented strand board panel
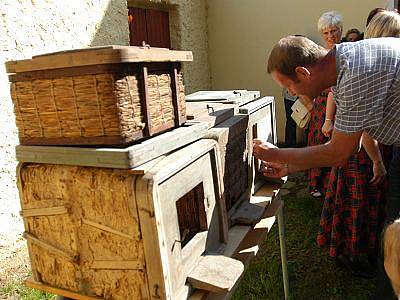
99 228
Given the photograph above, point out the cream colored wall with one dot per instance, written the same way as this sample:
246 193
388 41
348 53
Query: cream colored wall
241 34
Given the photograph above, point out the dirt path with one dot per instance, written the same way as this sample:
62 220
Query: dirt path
14 262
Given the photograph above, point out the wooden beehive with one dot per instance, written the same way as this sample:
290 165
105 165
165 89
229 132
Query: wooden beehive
97 233
110 95
233 140
262 125
235 119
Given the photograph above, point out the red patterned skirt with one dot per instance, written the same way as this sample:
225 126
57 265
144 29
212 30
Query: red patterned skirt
352 214
318 177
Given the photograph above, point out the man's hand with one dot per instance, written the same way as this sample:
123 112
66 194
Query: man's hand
274 170
261 148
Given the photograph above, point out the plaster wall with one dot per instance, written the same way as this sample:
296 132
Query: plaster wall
35 27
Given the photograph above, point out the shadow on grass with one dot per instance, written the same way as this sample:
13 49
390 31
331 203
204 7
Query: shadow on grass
312 273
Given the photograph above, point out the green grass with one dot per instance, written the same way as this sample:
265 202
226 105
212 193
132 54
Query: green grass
312 273
17 290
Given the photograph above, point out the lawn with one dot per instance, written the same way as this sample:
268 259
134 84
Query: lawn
312 273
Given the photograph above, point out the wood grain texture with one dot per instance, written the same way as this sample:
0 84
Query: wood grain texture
216 273
30 282
121 158
95 56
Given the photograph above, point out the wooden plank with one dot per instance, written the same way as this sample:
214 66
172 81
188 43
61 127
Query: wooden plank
219 191
245 240
109 229
212 114
216 273
69 72
175 96
151 240
167 260
250 212
137 26
45 211
229 96
157 22
145 105
120 158
95 56
180 159
235 235
82 140
182 258
72 257
22 201
255 105
30 282
117 265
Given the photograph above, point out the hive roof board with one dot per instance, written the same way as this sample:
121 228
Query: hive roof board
97 55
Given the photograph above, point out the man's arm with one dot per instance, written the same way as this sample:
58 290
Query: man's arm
334 152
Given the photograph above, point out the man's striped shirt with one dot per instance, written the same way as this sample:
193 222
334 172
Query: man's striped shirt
367 92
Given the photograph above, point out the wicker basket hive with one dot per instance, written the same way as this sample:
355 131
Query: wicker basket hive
109 95
122 234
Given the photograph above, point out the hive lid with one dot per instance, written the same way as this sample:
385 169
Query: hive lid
251 107
229 96
97 55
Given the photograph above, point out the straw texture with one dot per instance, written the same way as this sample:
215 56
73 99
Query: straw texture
99 105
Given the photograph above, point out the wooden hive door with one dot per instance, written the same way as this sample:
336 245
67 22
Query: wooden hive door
149 26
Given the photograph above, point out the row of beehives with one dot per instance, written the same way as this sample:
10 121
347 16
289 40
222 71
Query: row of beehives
142 221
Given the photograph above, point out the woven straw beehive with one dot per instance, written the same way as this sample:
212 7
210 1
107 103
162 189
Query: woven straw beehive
104 96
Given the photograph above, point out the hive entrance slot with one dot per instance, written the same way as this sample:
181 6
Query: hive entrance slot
192 216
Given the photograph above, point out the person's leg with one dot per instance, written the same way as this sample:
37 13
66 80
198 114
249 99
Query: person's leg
384 289
290 128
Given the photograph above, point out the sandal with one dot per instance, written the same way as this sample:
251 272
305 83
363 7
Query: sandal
316 194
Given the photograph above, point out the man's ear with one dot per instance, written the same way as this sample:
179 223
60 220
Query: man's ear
302 72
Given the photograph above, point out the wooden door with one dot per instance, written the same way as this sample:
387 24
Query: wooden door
149 26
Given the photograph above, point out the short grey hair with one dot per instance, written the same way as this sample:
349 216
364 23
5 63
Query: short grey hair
330 18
